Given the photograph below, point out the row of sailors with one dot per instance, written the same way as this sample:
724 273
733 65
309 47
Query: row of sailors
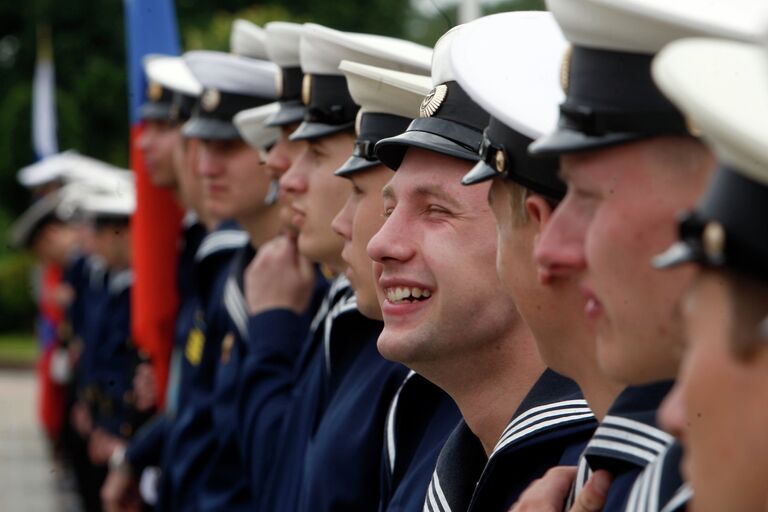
530 190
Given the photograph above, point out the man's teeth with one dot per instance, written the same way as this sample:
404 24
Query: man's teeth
399 294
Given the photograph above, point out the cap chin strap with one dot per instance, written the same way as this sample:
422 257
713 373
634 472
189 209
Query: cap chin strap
273 193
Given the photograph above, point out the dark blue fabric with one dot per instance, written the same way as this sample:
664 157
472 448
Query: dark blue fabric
225 484
638 404
285 405
469 481
343 459
146 448
190 439
424 418
109 357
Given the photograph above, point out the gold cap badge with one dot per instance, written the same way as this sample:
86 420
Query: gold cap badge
210 100
306 89
432 101
713 239
155 91
501 161
565 69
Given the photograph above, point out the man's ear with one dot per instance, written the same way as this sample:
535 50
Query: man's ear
539 210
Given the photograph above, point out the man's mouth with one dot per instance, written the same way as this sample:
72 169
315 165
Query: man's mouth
407 294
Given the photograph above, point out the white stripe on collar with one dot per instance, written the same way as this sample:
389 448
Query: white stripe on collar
226 239
235 304
543 417
681 497
391 417
120 281
639 427
436 500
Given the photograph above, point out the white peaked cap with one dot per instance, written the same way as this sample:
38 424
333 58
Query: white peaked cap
521 85
646 26
252 126
48 169
67 166
248 40
23 227
722 86
380 90
112 193
233 73
282 42
172 73
322 49
442 67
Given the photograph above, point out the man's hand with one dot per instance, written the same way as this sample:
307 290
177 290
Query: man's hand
101 445
120 492
279 277
81 419
144 388
548 493
592 496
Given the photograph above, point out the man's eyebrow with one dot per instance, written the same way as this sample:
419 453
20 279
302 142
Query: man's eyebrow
387 192
436 192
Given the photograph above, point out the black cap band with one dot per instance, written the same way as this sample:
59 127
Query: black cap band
614 92
291 83
740 206
373 128
506 151
181 107
329 101
226 104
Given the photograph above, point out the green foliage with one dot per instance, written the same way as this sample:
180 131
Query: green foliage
17 309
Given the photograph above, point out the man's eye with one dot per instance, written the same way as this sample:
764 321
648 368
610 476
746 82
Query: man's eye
388 211
433 208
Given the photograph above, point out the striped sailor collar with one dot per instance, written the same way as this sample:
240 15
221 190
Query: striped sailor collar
554 402
628 435
660 486
234 296
228 236
120 281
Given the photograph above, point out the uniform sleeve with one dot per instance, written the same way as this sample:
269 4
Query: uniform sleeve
266 383
146 447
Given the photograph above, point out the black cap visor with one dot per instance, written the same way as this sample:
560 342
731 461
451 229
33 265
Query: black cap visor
479 173
355 164
155 111
290 112
210 128
308 130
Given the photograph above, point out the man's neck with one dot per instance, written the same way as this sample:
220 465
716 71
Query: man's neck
599 390
261 227
488 386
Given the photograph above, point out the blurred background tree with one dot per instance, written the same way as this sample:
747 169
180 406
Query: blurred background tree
91 91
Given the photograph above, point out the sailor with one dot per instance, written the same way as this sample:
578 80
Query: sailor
630 163
237 187
145 449
722 88
287 424
228 87
447 317
421 415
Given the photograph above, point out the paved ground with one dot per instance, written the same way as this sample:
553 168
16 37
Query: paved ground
29 481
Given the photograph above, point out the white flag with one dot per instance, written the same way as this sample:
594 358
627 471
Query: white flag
44 140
